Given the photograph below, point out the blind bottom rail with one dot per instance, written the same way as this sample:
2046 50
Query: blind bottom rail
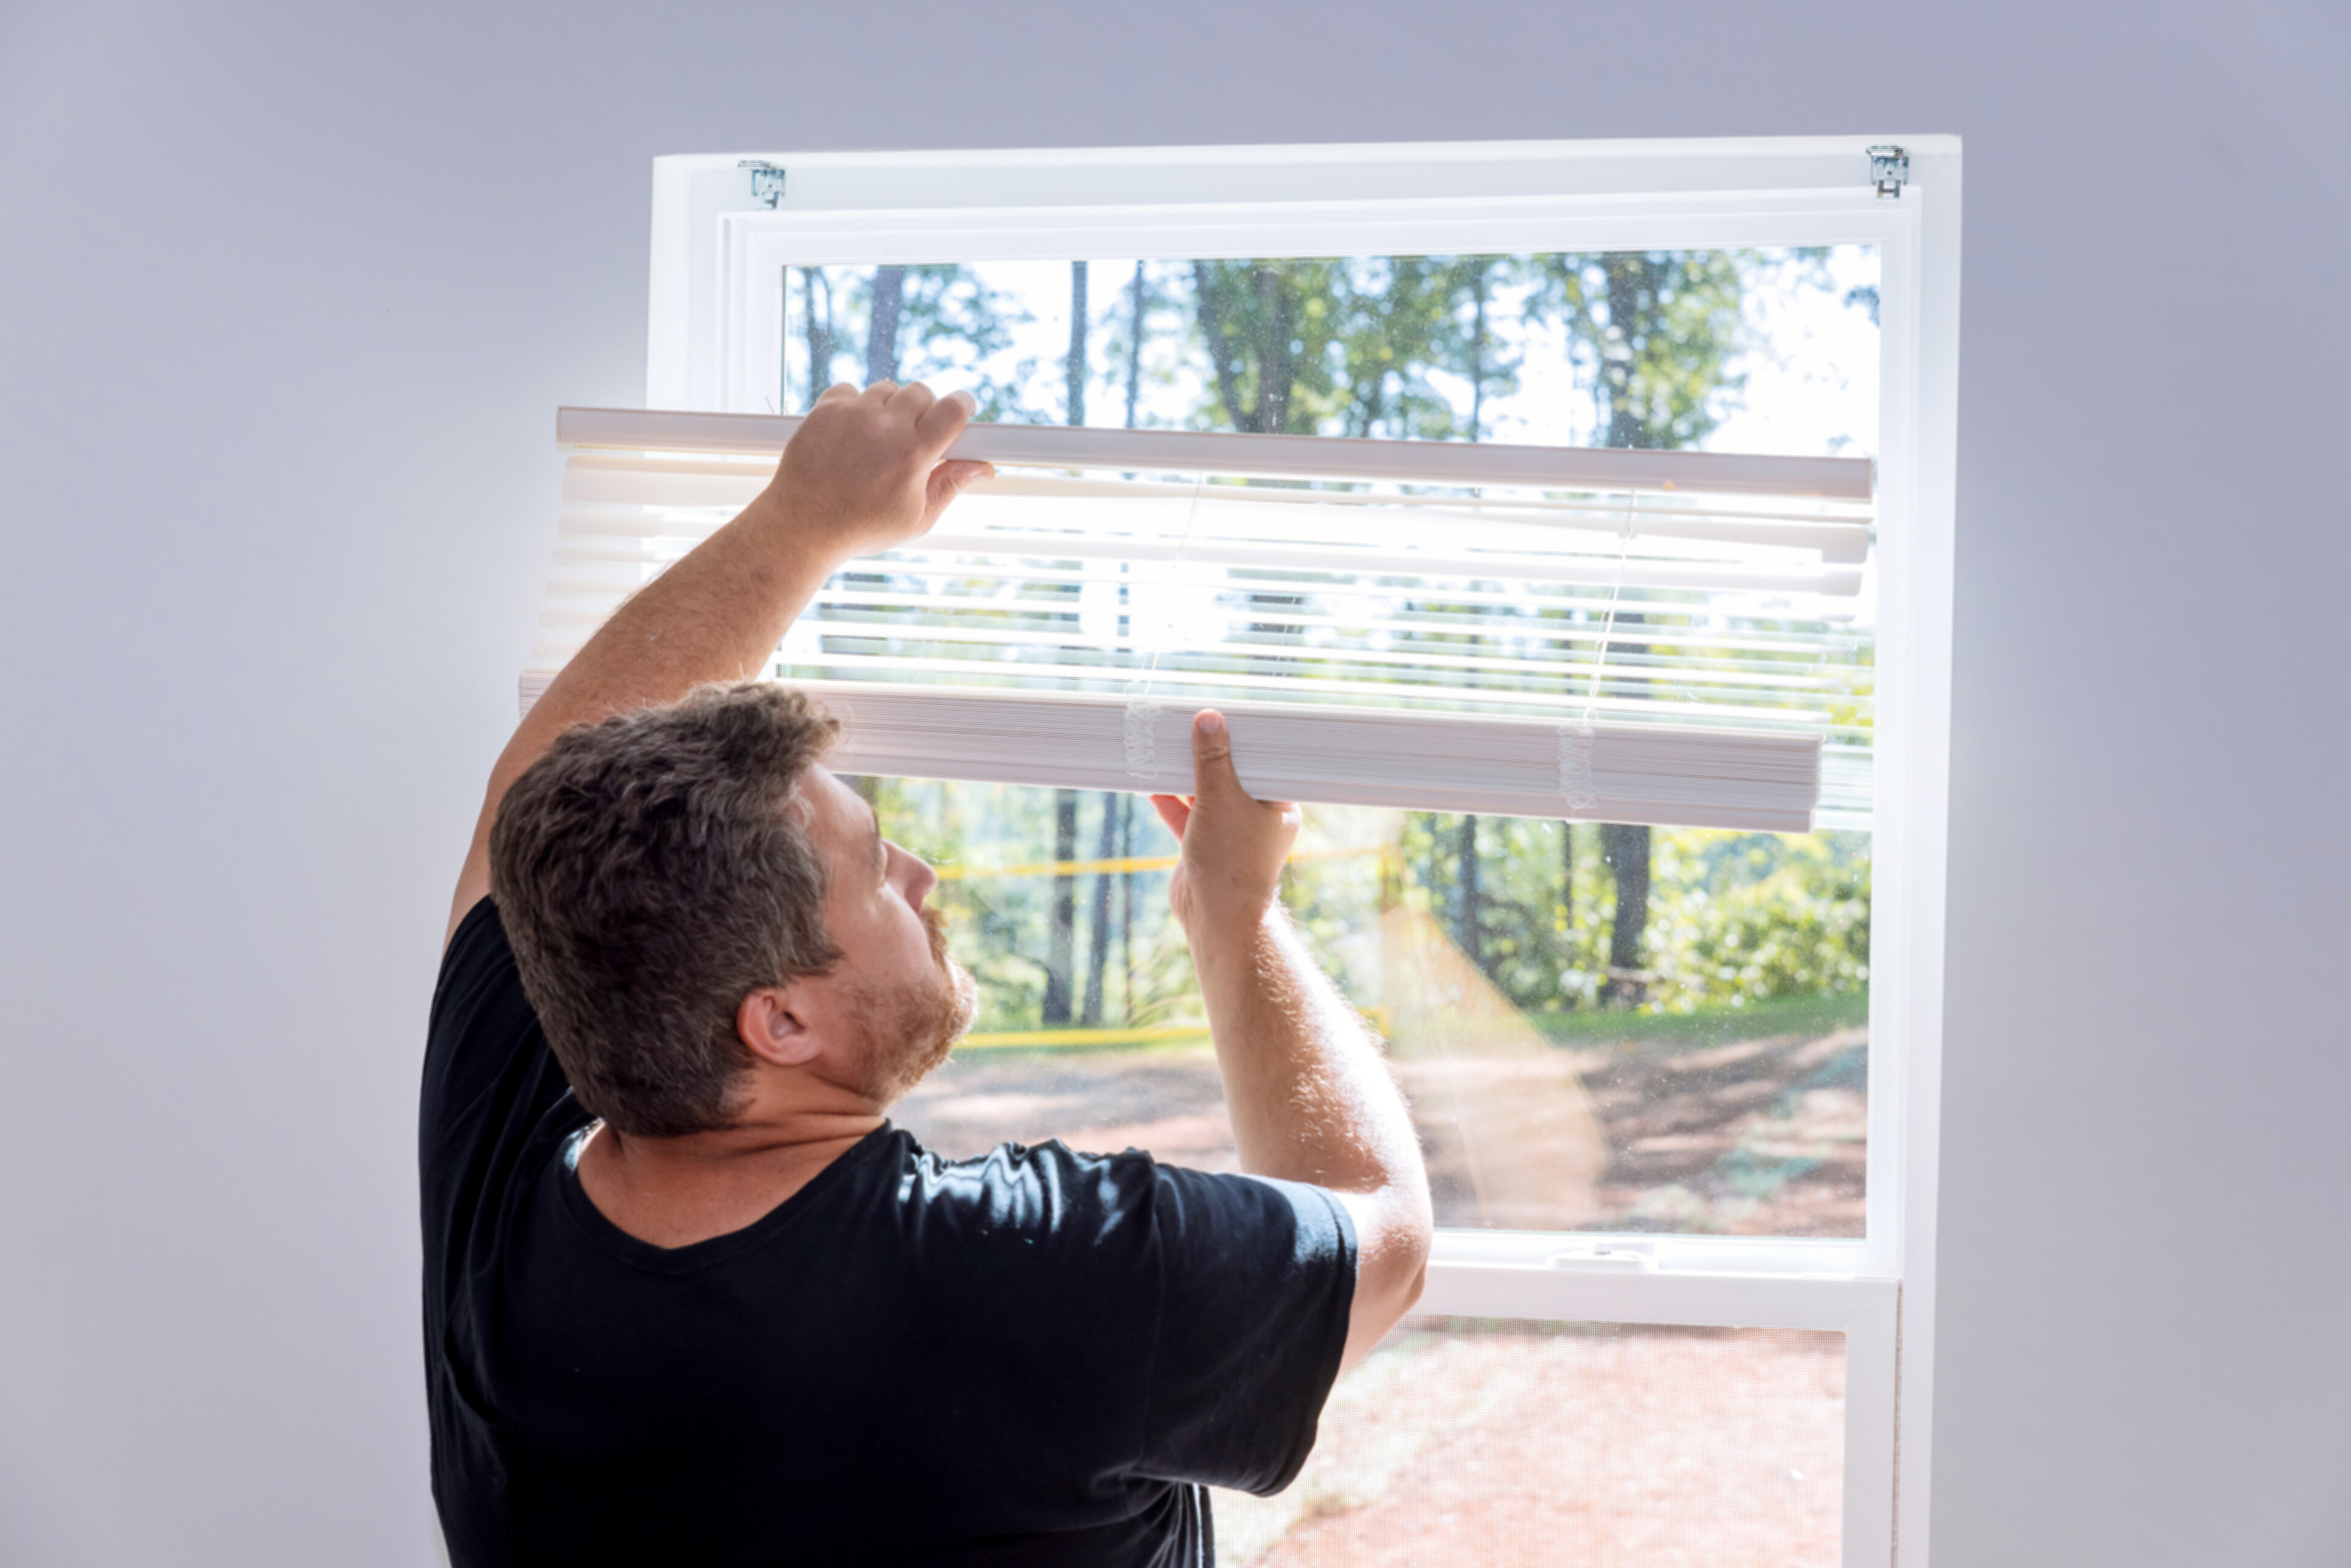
1652 774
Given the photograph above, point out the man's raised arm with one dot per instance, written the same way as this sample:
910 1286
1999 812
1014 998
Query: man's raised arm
863 474
1309 1096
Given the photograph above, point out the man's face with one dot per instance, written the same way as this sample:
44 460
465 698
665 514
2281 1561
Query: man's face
901 999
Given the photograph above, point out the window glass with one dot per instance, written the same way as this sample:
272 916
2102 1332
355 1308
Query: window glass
1599 1027
1472 1441
1768 350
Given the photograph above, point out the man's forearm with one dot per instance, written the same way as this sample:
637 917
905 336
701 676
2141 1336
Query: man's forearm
1311 1100
716 615
1309 1094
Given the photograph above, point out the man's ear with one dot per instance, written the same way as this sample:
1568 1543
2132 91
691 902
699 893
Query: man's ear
770 1028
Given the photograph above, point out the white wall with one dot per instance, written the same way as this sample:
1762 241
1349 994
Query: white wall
287 297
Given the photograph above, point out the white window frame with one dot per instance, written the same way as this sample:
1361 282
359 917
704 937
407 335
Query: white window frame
715 342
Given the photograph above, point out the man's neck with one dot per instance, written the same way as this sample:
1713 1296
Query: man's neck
674 1192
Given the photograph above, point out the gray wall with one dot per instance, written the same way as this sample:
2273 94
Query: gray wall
285 298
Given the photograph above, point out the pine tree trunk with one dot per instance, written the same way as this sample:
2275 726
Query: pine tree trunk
1098 933
1062 928
1075 405
1127 905
1567 895
1478 359
1632 296
1135 356
1465 928
1625 847
882 338
820 333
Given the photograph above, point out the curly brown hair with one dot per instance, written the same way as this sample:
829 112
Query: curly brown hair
651 870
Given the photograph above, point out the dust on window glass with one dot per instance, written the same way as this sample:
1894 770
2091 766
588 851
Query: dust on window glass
1762 350
1468 1441
1599 1027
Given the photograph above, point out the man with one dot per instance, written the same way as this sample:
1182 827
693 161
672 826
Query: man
689 1298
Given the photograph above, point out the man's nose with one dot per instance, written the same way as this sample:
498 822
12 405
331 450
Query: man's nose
920 877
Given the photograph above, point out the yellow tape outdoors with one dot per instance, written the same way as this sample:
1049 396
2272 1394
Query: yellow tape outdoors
1131 862
1061 1037
1056 1038
1055 868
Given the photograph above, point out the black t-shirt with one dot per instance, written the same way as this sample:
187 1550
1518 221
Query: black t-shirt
1034 1357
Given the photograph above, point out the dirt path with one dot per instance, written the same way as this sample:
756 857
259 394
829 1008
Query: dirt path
1566 1450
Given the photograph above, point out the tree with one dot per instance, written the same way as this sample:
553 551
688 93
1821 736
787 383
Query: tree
1098 932
1074 403
1134 346
1061 923
1343 346
1480 272
1660 328
1264 323
1061 955
816 314
889 298
1466 896
1114 830
930 321
1126 903
1624 846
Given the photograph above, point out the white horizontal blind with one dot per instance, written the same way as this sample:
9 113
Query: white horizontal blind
1663 637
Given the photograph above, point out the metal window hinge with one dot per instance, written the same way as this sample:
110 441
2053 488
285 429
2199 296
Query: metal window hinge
767 180
1889 170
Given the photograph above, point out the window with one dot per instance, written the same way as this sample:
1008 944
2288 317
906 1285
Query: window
1511 492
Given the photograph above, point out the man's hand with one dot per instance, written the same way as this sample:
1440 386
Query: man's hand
863 471
1229 876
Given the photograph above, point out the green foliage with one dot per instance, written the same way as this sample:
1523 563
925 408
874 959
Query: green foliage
1757 917
1733 918
1346 346
950 324
1658 327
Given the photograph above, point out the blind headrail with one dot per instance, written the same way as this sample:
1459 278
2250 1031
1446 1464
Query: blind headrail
1268 457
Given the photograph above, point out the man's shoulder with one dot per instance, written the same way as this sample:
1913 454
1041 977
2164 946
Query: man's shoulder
1050 1190
478 971
1027 1186
489 1082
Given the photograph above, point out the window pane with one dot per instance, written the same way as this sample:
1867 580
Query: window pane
1598 1027
1469 1442
1767 350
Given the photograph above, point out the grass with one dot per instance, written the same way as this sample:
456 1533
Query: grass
1708 1026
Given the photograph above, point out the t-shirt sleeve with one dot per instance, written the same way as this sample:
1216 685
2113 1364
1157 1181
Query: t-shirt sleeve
1257 1278
489 1083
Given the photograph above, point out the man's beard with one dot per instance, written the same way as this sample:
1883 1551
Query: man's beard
912 1030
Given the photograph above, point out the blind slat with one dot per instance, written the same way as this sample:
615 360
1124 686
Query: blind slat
1304 456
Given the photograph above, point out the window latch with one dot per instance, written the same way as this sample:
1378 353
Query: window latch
1889 171
1607 1258
767 180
